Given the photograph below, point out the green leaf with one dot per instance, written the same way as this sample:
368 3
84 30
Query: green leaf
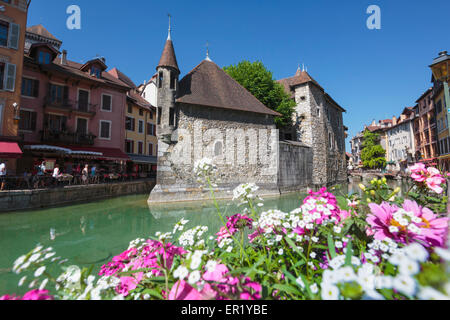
331 247
348 256
153 293
287 288
294 247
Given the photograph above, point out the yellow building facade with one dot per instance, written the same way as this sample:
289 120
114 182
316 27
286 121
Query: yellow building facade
442 128
141 143
13 21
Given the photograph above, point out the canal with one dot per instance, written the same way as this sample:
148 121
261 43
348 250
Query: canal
92 233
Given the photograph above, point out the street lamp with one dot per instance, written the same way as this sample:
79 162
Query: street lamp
441 68
16 113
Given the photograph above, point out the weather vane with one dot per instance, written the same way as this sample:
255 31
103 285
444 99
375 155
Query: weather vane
170 24
207 52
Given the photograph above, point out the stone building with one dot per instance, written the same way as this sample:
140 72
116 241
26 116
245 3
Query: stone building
425 129
318 123
207 114
400 138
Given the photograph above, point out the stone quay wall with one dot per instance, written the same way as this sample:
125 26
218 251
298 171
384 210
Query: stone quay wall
38 199
295 169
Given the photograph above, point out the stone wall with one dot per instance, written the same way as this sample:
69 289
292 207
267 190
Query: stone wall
37 199
320 126
243 145
296 163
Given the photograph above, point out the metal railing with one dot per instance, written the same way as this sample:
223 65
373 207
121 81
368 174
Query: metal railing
67 137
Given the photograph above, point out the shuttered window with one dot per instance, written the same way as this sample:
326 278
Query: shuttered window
30 87
14 35
10 77
27 120
105 129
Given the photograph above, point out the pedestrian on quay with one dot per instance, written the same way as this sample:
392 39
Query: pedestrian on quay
2 175
85 174
56 173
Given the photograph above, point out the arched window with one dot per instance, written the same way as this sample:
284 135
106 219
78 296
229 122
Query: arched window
218 149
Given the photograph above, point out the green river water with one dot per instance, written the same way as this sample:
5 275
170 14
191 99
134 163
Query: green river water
92 233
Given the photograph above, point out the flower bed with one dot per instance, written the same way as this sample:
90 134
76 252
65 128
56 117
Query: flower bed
379 246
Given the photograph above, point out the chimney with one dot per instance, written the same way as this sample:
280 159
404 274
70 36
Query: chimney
394 121
103 59
64 57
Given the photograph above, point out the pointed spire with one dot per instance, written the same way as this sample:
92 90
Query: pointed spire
169 37
168 57
207 52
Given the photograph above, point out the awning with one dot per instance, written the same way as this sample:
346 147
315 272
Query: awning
10 150
140 159
103 153
47 148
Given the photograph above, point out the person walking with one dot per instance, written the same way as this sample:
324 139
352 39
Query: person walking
2 175
55 175
85 174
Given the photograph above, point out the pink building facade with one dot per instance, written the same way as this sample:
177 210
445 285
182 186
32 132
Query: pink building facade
73 106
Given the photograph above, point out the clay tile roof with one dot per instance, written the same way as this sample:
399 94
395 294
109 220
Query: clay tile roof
139 100
168 58
40 30
209 85
122 77
73 68
299 78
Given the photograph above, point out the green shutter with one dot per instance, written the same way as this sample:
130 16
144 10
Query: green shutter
14 36
10 77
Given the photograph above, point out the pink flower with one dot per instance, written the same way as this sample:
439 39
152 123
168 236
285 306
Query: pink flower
155 255
234 224
31 295
219 286
419 172
435 183
434 230
37 295
430 231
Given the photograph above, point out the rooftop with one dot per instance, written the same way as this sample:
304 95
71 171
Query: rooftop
209 85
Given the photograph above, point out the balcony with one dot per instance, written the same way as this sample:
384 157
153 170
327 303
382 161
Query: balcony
67 137
85 108
59 104
71 106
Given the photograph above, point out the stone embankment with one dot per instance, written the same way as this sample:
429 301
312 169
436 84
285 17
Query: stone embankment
38 199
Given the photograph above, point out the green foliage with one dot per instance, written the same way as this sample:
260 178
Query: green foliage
373 155
258 80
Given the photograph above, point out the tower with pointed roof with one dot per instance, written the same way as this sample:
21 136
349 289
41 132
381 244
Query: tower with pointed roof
318 123
167 87
207 114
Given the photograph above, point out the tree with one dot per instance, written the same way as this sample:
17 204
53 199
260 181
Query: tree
259 81
373 155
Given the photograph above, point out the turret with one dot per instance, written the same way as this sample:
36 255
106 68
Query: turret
167 85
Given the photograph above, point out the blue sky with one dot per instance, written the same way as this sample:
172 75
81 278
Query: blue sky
373 74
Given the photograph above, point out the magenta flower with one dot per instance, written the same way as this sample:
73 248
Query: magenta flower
435 184
409 223
428 177
154 256
219 286
31 295
234 224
